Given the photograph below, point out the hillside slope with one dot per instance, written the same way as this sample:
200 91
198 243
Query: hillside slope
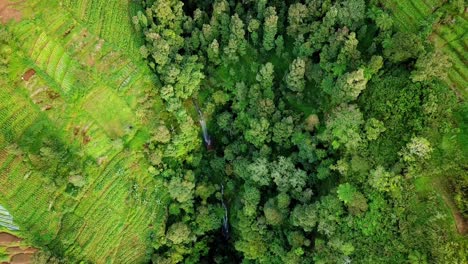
73 110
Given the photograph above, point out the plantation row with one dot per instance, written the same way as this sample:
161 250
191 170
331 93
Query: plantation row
15 116
40 206
72 72
27 198
81 227
92 13
452 39
76 100
69 68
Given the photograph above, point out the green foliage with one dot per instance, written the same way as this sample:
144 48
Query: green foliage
321 120
182 190
351 85
304 216
269 28
273 214
431 66
295 78
287 177
374 128
178 233
403 46
385 181
346 192
418 148
343 128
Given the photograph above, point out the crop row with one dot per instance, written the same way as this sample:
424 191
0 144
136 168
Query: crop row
451 39
117 13
99 222
71 60
49 56
15 115
76 48
26 198
66 75
100 203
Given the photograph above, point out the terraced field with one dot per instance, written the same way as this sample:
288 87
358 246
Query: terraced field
74 74
13 249
449 35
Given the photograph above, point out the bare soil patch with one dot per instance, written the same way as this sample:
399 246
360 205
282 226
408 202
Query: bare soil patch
28 74
21 258
16 250
17 254
7 12
460 221
6 239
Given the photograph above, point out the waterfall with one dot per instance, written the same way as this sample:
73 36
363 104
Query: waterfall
209 145
225 217
206 136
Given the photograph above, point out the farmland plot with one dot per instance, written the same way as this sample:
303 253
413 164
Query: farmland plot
74 72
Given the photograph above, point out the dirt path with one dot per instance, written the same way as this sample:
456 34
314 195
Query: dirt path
460 221
7 12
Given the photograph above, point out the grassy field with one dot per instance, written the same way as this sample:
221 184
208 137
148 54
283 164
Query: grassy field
449 35
85 96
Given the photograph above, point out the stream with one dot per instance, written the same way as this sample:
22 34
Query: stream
202 121
225 228
209 145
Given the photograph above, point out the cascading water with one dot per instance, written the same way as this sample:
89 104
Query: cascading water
225 217
206 136
209 145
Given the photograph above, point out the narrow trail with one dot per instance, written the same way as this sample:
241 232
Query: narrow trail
460 222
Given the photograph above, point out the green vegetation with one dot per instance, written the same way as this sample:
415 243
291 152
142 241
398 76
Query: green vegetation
226 131
68 172
445 24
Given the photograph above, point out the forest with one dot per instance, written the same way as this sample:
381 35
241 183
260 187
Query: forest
264 131
327 122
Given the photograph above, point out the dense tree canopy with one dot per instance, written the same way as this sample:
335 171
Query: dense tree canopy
323 117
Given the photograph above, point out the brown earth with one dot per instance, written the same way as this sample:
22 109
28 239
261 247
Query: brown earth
21 258
17 254
7 12
28 74
16 250
460 221
6 239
